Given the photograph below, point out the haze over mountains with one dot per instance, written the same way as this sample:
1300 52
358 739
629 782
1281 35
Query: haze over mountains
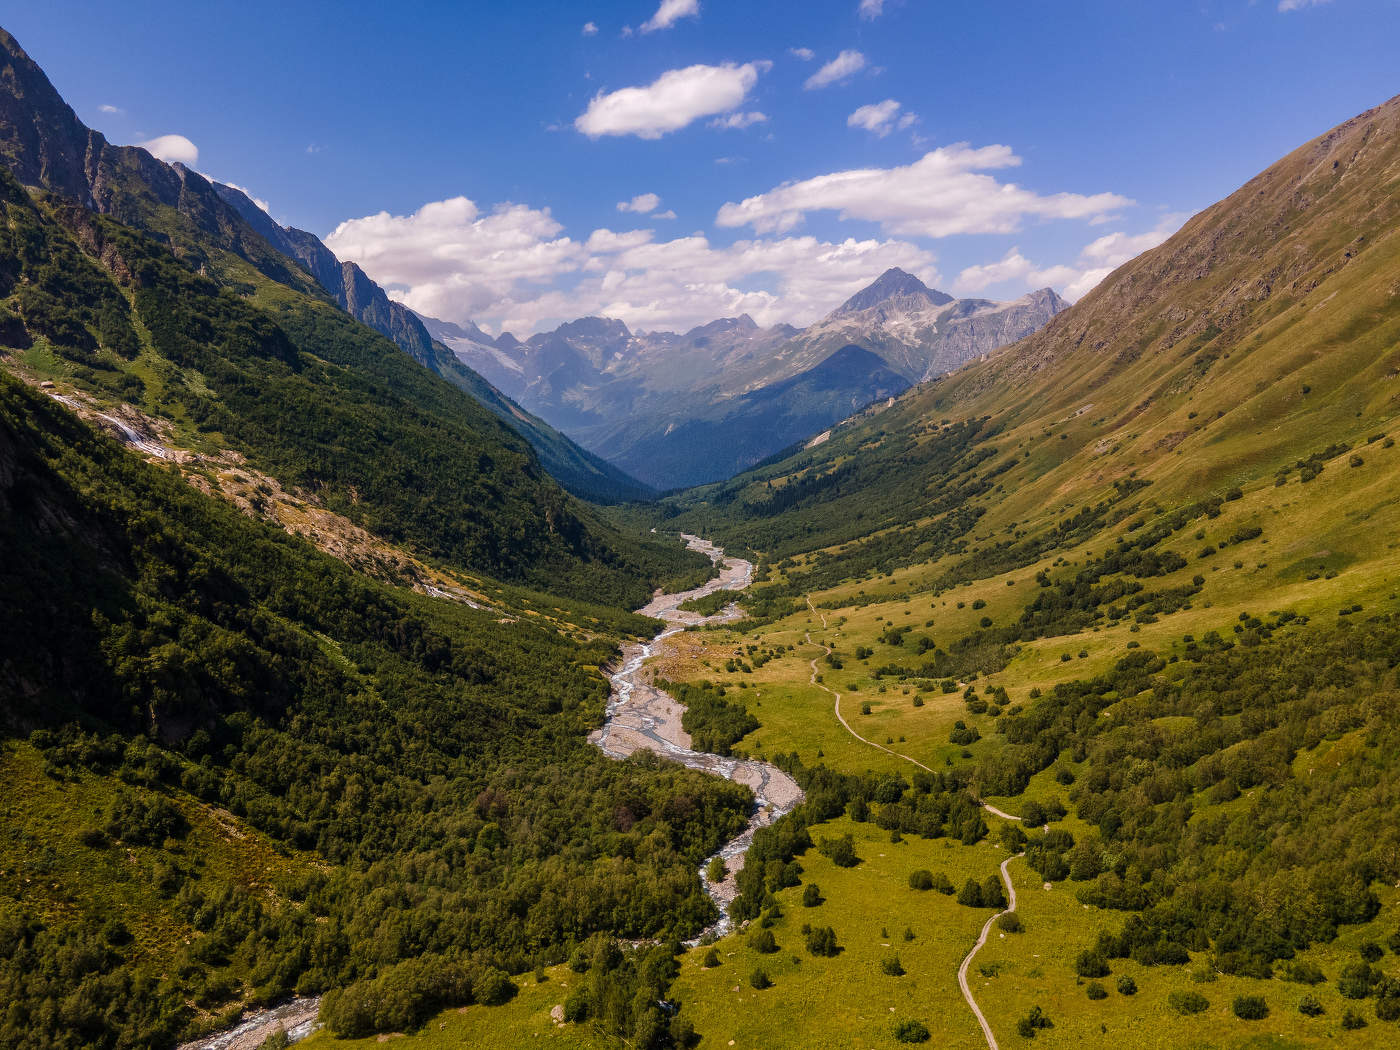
682 409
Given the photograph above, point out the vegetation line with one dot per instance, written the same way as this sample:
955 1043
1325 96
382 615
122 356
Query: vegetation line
981 940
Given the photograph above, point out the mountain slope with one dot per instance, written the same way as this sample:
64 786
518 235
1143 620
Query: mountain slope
191 314
625 395
580 472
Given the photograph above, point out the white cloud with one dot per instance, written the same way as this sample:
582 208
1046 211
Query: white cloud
1096 261
173 149
108 108
669 13
513 269
667 214
846 64
676 98
590 29
941 194
641 204
739 120
871 9
804 53
880 118
1298 5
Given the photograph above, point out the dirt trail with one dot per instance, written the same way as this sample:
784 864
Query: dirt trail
642 717
1005 877
982 940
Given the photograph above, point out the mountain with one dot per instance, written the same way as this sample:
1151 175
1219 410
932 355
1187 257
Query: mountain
1132 578
130 280
580 472
627 396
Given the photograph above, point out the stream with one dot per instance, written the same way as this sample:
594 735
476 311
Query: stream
642 717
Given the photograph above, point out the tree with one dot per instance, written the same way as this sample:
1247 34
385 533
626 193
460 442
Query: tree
811 895
970 896
921 879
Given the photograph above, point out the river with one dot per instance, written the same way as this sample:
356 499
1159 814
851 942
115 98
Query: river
642 717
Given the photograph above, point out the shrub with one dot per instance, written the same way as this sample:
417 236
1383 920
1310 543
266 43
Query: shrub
944 885
711 959
1033 1022
759 979
1371 951
1187 1002
1251 1007
1357 980
842 851
892 967
1127 986
821 942
763 942
1301 972
717 871
1351 1021
1010 922
1309 1006
811 895
911 1032
1091 963
970 895
921 879
1094 990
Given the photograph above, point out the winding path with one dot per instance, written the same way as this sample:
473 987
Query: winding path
1005 876
982 940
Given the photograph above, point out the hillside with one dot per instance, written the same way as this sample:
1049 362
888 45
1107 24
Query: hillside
577 470
129 280
1131 578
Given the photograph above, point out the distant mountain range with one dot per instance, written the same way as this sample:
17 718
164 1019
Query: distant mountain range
684 409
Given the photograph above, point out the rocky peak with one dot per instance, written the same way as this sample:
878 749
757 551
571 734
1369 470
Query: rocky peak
894 283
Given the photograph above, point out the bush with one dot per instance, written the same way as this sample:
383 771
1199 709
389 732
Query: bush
1188 1002
970 896
763 942
1127 986
759 979
1094 990
1357 980
1371 952
711 959
1301 972
811 895
892 967
1010 922
921 879
911 1032
1251 1007
1033 1022
1091 963
842 851
1310 1006
1351 1021
821 942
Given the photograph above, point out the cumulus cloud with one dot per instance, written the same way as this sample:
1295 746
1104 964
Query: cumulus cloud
512 268
845 65
173 149
590 29
1096 261
675 99
246 192
739 120
880 118
943 193
641 203
108 108
669 13
871 9
804 53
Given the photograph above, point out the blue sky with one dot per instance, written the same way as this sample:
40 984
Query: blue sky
473 156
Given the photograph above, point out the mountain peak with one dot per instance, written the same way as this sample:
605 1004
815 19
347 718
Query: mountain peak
893 283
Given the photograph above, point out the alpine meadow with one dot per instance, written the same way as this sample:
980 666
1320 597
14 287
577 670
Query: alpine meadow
633 605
